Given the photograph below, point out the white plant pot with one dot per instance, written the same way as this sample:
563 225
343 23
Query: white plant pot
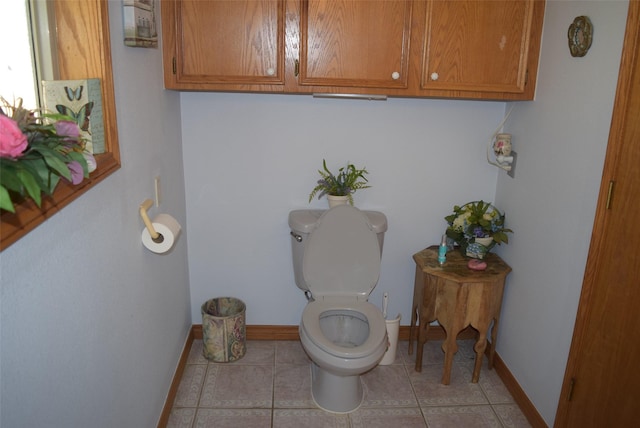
334 200
485 241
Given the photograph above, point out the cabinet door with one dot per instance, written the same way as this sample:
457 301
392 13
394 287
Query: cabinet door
477 45
354 43
213 43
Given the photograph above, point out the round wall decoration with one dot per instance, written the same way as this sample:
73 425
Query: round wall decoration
580 35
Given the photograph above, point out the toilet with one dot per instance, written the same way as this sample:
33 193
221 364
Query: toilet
336 261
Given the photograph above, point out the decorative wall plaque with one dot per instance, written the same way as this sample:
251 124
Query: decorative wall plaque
580 35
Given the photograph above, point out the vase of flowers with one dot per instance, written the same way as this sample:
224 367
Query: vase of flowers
36 152
477 227
339 188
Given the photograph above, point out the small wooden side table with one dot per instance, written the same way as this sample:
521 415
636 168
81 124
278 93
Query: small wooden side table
457 297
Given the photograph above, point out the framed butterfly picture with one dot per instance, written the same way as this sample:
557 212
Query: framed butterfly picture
82 101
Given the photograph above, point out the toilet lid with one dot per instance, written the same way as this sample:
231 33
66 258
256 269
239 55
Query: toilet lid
342 256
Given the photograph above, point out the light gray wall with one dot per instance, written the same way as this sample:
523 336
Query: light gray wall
92 324
561 141
250 159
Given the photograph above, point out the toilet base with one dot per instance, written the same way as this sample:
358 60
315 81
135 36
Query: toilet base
336 394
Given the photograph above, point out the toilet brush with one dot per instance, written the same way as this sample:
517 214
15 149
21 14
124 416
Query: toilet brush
393 327
385 301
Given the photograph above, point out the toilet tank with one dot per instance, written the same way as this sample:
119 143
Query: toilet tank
302 222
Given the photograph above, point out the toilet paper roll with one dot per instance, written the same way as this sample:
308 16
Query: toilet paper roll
168 227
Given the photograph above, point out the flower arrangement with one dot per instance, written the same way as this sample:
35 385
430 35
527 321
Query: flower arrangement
477 227
36 151
345 183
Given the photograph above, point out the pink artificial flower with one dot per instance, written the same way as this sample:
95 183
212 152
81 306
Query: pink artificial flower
66 128
77 173
12 141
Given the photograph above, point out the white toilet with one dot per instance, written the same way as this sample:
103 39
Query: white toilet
336 260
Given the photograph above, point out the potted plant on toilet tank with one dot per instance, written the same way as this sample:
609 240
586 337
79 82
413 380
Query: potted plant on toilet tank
339 188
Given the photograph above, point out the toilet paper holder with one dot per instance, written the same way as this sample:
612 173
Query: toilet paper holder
155 236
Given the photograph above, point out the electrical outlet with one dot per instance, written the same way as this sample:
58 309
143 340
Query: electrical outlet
512 171
156 183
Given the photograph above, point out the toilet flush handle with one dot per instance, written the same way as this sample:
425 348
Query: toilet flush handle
296 236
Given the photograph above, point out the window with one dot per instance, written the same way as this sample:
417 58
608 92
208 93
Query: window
28 52
17 75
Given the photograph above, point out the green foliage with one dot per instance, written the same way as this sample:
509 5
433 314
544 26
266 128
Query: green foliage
477 220
345 183
49 155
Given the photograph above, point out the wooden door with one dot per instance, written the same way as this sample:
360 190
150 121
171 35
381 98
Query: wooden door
216 44
602 383
354 43
477 45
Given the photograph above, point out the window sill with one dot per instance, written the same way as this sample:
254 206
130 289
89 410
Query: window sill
14 226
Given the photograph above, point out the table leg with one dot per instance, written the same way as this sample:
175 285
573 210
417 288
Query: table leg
450 347
418 292
492 345
423 329
479 347
412 326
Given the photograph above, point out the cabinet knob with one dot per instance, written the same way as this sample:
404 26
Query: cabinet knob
395 75
271 71
434 76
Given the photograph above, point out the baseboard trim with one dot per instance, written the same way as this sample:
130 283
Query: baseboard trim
518 394
288 332
175 383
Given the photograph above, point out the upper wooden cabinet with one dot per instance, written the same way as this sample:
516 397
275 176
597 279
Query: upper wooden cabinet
477 45
219 45
354 43
482 49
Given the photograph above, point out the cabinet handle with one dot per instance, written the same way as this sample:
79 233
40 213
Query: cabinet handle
270 71
395 75
296 68
434 76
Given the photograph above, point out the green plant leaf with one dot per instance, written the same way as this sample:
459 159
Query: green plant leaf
500 237
58 166
38 168
324 165
30 185
5 200
8 177
47 180
347 181
47 151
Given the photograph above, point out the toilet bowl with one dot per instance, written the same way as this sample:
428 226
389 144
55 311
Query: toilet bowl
343 341
343 334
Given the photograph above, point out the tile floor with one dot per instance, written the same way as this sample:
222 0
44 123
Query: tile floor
270 387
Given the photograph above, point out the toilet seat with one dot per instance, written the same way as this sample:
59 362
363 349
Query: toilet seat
377 326
342 257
